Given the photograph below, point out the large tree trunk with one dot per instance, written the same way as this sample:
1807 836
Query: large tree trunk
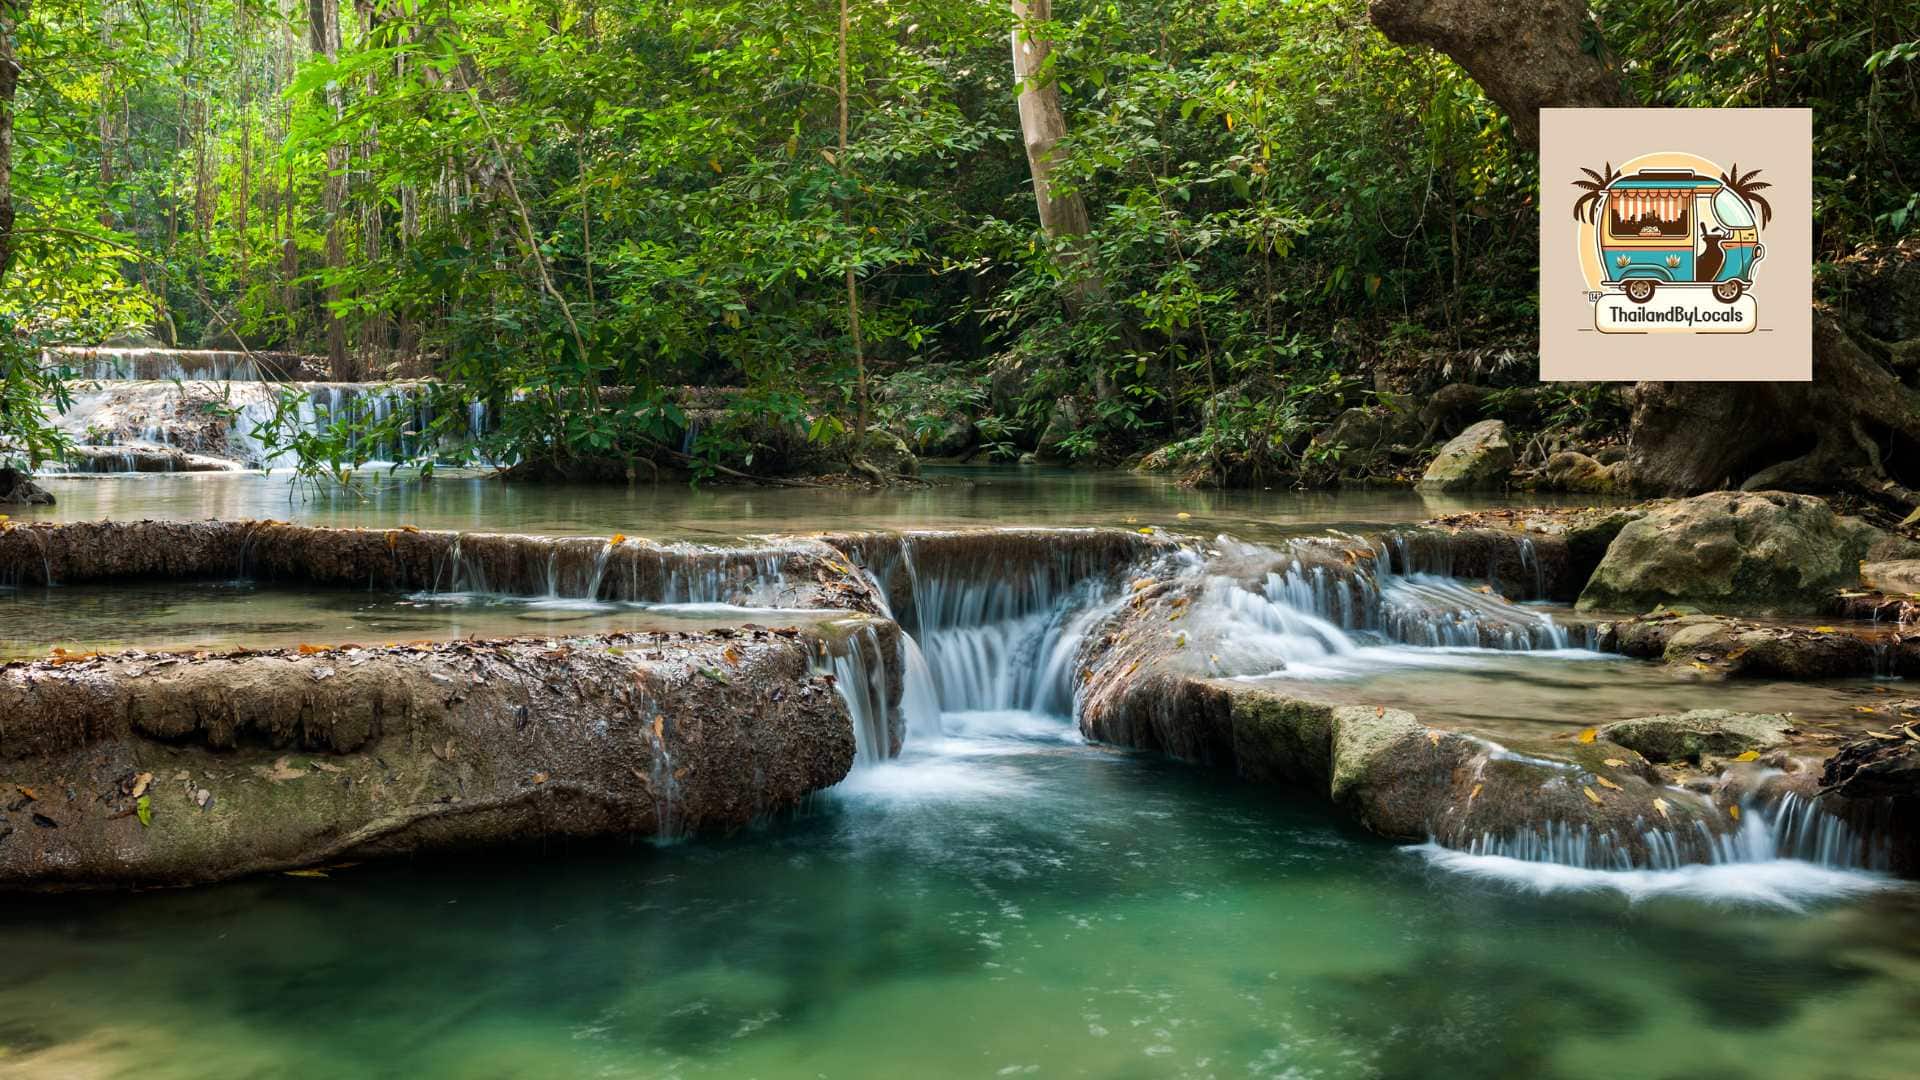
1042 125
1527 56
324 28
1855 428
12 14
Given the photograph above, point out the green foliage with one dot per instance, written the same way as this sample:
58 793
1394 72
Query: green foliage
572 211
1852 63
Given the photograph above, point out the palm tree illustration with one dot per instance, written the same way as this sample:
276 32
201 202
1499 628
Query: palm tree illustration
1748 188
1589 203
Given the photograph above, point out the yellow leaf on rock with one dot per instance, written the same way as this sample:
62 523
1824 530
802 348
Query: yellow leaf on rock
1660 805
1606 783
659 727
616 539
140 784
1734 812
1595 799
1615 762
1588 735
1824 630
1475 793
1433 737
1751 755
1183 515
306 873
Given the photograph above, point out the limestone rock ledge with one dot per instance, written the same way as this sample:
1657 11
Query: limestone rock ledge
153 769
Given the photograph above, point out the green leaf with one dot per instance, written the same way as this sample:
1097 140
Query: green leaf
143 809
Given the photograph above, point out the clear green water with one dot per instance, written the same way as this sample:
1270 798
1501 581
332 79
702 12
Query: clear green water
1007 905
958 497
1006 902
216 615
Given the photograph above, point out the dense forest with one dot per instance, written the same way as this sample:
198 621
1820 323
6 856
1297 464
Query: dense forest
746 237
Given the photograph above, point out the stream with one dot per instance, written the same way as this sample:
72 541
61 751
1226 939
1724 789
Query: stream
1003 899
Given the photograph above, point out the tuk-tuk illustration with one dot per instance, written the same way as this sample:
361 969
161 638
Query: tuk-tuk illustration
1674 227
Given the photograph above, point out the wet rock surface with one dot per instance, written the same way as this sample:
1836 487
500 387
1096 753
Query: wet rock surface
151 769
1730 646
1698 733
1745 552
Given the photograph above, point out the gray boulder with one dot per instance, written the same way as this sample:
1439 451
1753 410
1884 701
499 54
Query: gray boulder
1479 457
1698 733
1737 552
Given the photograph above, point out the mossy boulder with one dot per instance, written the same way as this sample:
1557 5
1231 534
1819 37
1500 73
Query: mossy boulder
1573 471
1698 733
1767 552
1477 458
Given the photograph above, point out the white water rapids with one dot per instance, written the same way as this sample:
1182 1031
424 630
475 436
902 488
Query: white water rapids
989 672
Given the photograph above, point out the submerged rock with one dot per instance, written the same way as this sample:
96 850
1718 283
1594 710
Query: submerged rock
1747 552
18 489
166 770
1698 733
1479 457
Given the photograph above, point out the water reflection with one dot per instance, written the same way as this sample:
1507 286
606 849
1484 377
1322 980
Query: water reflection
959 497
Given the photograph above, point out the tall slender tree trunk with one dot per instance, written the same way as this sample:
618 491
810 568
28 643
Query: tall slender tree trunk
324 28
853 286
12 14
1063 215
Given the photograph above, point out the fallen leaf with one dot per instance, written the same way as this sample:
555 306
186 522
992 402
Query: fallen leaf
141 783
659 727
616 539
1660 805
1616 763
305 873
1589 734
143 809
309 650
1824 630
1595 799
1750 755
1183 515
1606 783
1433 737
730 654
1734 811
539 778
1475 793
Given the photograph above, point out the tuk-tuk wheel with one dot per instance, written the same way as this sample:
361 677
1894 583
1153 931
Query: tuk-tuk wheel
1639 290
1728 291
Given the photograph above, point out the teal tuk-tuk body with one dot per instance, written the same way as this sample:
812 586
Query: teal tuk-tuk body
1668 227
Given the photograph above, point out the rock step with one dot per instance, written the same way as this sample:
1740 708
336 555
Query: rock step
142 769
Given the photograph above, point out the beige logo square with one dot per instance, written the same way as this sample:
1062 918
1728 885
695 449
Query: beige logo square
1676 244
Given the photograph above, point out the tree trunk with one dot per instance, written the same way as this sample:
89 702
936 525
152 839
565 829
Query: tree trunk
324 27
12 14
853 287
1526 56
1042 125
